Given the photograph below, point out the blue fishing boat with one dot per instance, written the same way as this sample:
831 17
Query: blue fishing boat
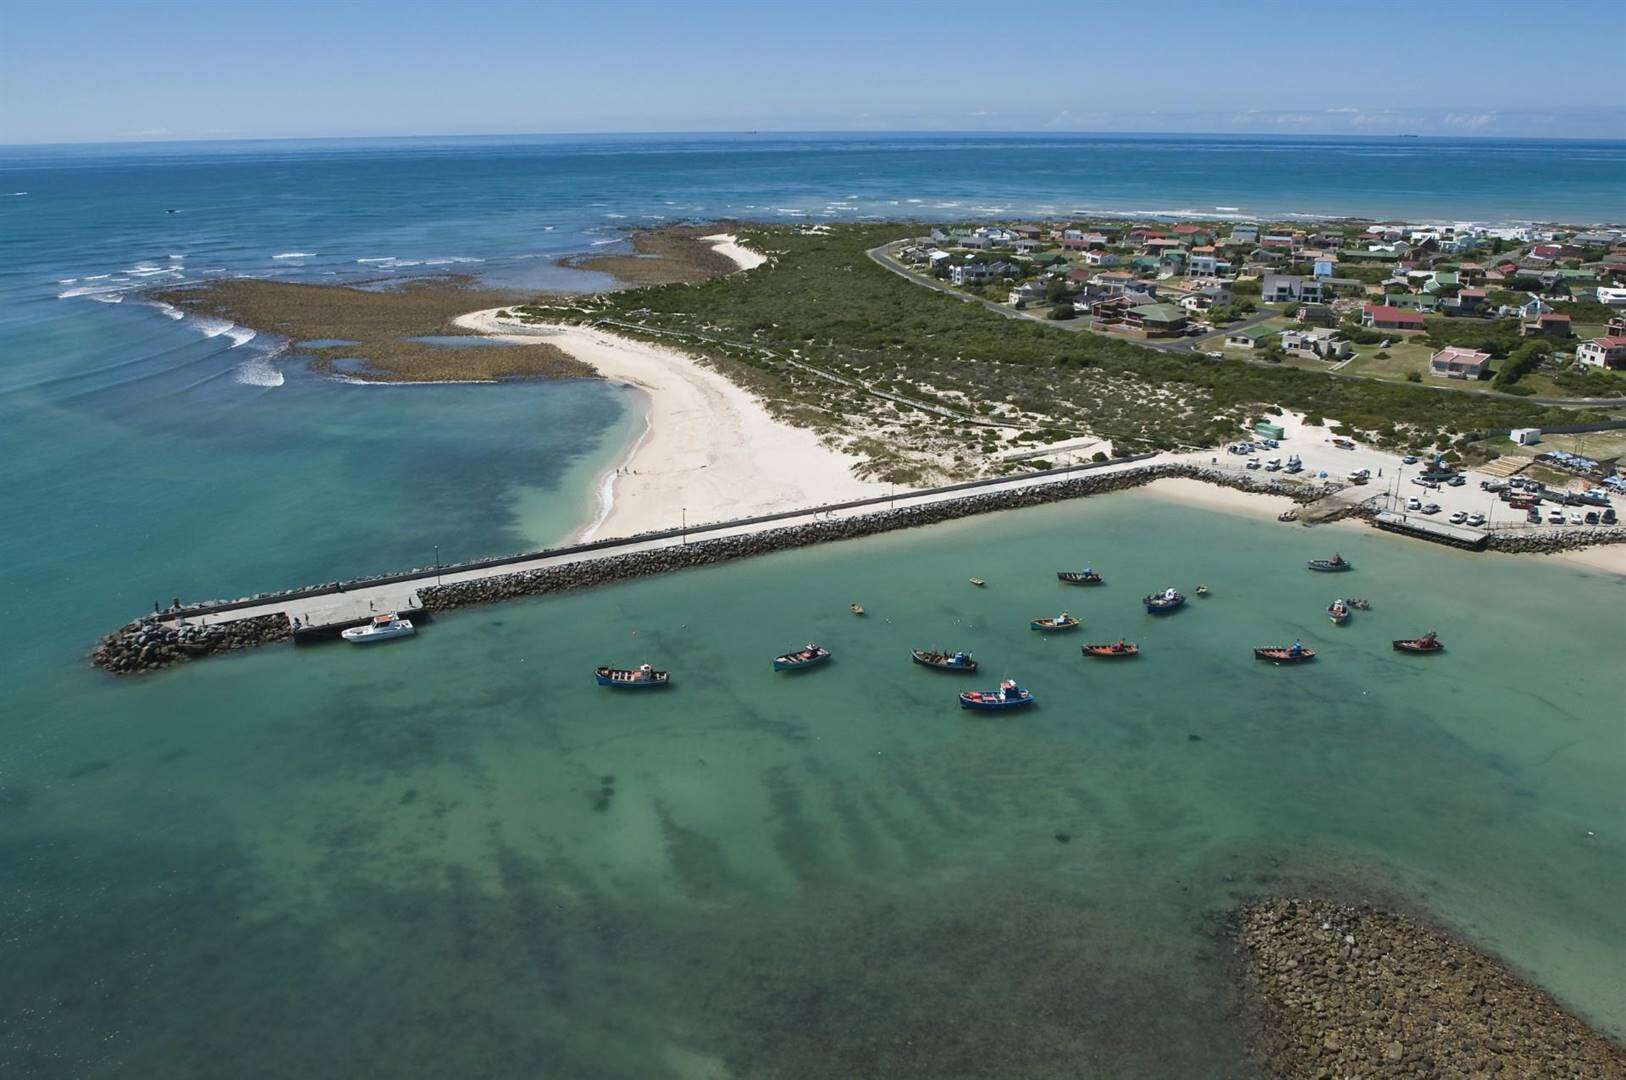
1064 621
944 661
1163 602
1008 696
1086 576
1333 565
643 678
809 656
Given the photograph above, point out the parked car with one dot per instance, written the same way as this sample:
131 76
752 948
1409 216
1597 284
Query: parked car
1409 459
1555 517
1458 517
1414 503
1253 463
1492 485
1457 480
1273 465
1432 508
1609 516
1533 516
1591 517
1476 520
1576 518
1421 481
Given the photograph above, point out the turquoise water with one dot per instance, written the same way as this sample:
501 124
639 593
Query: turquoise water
457 854
405 861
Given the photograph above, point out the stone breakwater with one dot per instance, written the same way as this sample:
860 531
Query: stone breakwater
1551 543
1338 991
148 644
603 571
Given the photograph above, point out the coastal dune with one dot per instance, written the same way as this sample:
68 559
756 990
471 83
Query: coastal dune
710 450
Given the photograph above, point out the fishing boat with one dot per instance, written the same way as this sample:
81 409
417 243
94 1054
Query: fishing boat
1284 654
856 608
1428 643
1063 621
1119 649
810 655
1202 590
944 661
1165 601
1085 576
1008 696
643 678
1330 566
1338 612
382 628
978 582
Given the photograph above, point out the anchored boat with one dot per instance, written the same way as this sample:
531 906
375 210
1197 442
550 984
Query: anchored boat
1284 654
1063 621
1330 566
1165 601
809 656
978 582
1008 696
643 678
382 628
856 608
944 661
1085 576
1121 649
1338 612
1428 643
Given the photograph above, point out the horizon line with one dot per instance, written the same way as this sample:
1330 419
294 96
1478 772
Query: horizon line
142 140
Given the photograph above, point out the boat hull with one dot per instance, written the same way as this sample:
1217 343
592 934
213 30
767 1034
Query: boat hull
1416 647
1322 566
1073 578
990 701
1284 656
940 662
788 663
367 635
1109 652
1046 626
1159 606
625 679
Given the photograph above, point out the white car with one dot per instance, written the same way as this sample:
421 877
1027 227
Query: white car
1576 518
1555 517
1432 508
1476 520
1458 518
1253 463
1414 503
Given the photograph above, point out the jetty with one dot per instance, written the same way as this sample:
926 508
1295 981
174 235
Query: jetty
1426 528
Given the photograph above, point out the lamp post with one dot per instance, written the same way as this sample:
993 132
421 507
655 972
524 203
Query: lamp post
685 512
437 564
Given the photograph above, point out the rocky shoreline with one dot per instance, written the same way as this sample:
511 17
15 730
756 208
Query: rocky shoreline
1339 991
147 644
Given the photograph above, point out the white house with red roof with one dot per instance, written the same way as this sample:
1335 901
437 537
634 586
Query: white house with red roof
1604 352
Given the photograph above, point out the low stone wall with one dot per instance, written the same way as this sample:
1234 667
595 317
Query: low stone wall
146 644
1551 542
590 572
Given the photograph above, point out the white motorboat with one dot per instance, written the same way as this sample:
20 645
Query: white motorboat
382 628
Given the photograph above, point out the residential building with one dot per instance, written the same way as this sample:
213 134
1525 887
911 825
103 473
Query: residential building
1029 292
1455 362
1613 297
1604 352
1244 234
1318 315
1155 320
1325 265
1324 344
1384 317
1208 265
1548 325
1102 258
1288 288
1252 338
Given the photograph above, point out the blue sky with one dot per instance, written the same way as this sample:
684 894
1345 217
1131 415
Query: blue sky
94 70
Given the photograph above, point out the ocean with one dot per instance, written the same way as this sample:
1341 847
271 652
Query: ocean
457 855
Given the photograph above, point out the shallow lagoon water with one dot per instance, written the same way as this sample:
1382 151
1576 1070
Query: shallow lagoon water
457 853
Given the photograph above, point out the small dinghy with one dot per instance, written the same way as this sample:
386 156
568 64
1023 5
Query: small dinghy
1008 696
1428 643
1120 649
644 678
944 661
1361 605
1165 601
1085 576
1338 612
1064 621
978 582
1202 590
1284 654
809 656
856 608
382 628
1330 566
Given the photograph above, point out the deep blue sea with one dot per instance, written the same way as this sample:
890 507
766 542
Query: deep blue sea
454 857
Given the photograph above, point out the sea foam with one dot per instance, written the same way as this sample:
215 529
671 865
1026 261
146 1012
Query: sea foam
295 255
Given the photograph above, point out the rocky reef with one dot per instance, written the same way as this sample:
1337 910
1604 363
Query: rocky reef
147 644
1340 991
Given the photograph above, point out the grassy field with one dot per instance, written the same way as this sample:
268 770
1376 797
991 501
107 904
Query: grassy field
823 302
1401 360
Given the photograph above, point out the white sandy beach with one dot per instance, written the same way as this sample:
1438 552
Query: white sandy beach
711 450
729 244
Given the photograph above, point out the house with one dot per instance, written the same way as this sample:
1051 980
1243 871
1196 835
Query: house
1276 240
1384 317
1470 300
1548 325
1604 352
1193 234
1325 265
1208 265
1409 302
1318 315
1109 314
1143 234
1253 338
1113 284
1029 292
1244 234
1288 288
1206 297
977 273
1455 362
938 258
1323 344
1099 257
1617 327
1612 297
1533 308
1544 253
1441 280
1155 320
1026 246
